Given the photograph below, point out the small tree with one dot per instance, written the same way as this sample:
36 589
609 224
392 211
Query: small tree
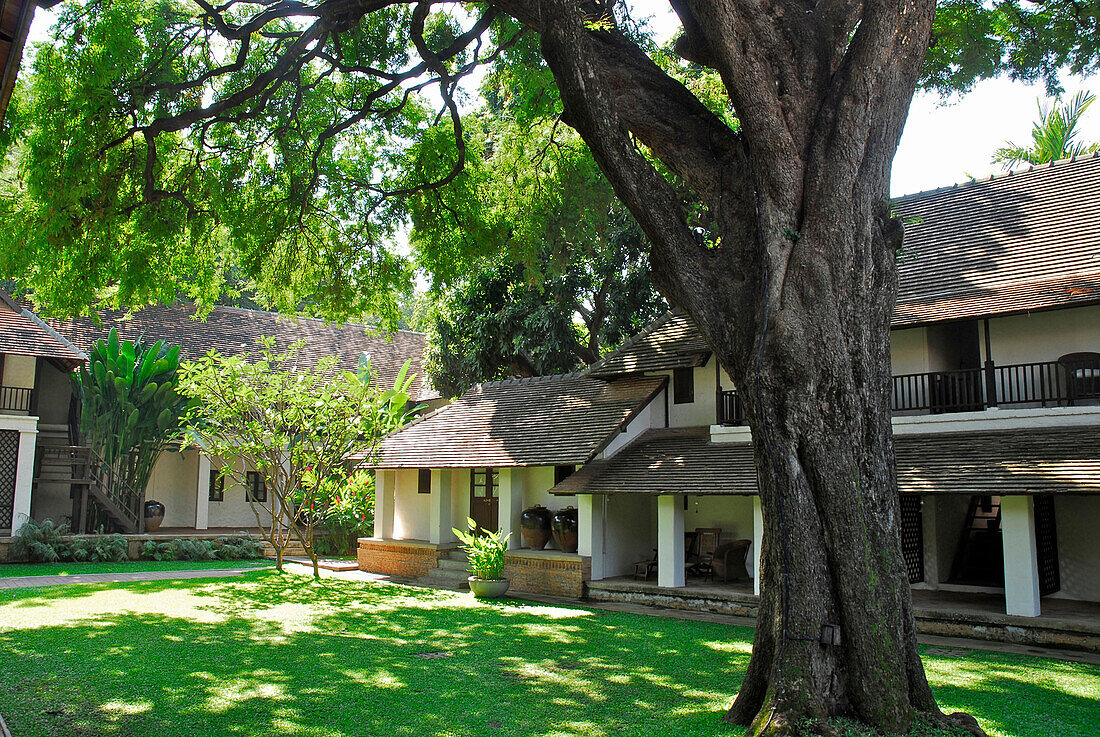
1052 135
130 407
293 425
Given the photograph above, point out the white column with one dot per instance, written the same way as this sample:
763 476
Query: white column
383 503
24 478
510 505
1021 558
439 529
202 493
757 542
670 541
590 528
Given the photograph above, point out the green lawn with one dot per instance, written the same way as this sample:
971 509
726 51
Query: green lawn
130 566
271 653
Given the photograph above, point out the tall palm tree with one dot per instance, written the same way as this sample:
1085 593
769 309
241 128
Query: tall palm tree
1052 136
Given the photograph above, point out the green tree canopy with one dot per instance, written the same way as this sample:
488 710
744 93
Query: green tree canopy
281 148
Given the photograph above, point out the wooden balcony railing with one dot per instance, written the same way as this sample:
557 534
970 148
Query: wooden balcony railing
16 399
1046 384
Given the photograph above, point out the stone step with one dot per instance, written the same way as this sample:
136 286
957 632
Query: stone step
437 579
450 564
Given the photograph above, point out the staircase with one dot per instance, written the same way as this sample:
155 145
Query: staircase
293 548
450 574
979 558
99 494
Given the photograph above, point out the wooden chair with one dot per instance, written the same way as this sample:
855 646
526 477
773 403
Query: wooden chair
707 540
1082 372
646 567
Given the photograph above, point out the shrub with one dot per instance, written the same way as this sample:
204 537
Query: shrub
40 542
485 551
222 548
50 542
100 549
345 509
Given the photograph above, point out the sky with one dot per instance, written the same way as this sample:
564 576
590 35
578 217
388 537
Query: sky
944 142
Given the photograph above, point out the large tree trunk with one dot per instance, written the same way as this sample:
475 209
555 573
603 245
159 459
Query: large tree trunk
793 294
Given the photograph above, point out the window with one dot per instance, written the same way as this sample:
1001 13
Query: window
683 386
424 481
483 482
217 486
561 473
257 487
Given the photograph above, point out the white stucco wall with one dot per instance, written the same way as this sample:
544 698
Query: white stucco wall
412 510
630 531
234 510
1044 336
733 514
1077 519
19 371
651 416
908 351
173 484
700 412
460 496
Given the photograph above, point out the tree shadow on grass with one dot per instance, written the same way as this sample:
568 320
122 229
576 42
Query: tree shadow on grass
282 654
324 658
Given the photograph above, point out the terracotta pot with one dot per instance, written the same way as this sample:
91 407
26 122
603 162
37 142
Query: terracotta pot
534 522
154 515
565 529
488 588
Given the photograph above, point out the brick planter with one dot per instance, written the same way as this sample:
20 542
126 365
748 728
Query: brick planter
549 573
399 557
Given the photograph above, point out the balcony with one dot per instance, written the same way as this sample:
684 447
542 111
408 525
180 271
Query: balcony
16 399
1063 383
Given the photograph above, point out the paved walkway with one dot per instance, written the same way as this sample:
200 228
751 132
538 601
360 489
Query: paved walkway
27 582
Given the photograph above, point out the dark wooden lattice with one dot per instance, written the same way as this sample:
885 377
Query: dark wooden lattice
1046 544
912 536
9 455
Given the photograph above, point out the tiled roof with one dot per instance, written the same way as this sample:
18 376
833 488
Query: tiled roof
1015 462
23 333
671 341
1022 241
232 331
545 421
1013 243
684 461
669 461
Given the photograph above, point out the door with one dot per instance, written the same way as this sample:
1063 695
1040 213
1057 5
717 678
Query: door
483 498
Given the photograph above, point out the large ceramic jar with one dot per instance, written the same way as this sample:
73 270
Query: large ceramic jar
565 529
154 515
535 525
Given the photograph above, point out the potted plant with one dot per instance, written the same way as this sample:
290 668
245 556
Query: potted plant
485 554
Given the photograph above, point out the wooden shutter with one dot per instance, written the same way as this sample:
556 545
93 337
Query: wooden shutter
912 536
1046 544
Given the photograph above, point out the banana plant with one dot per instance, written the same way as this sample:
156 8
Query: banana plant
131 410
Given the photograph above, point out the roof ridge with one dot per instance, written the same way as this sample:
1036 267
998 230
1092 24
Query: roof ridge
532 379
54 334
644 332
322 320
973 181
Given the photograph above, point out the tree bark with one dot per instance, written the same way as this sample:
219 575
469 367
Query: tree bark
795 302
